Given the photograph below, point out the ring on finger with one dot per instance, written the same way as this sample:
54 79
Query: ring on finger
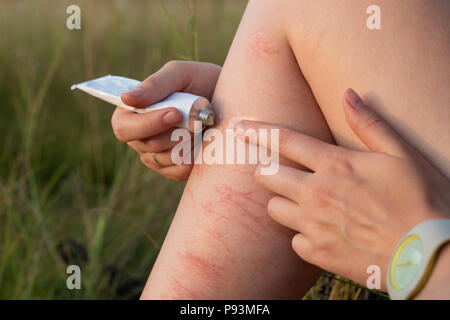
155 159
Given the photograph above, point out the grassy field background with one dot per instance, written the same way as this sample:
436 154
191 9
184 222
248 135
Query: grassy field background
70 193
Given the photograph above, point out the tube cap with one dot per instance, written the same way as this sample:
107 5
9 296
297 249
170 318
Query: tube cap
206 116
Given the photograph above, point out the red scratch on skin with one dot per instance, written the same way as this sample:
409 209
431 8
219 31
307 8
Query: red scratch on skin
208 206
253 209
241 216
201 265
178 291
229 193
243 170
218 235
262 45
221 241
201 272
233 205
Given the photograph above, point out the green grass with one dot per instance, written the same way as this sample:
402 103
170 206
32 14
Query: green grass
66 184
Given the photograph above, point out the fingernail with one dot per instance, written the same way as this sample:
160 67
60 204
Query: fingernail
171 117
353 99
136 92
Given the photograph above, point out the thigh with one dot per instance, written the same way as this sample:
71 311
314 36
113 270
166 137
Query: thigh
402 70
222 243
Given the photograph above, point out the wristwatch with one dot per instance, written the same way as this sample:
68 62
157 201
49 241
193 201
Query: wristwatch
414 257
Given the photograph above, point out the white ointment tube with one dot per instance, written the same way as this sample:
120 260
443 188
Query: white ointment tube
110 88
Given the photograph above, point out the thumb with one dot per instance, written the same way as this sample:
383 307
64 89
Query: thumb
373 131
172 77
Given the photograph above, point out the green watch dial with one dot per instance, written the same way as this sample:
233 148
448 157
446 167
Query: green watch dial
406 262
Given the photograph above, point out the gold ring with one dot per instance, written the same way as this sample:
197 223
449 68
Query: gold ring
156 160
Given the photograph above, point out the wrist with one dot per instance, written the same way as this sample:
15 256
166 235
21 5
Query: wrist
437 284
414 259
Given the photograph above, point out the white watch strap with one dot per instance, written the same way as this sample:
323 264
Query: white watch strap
433 234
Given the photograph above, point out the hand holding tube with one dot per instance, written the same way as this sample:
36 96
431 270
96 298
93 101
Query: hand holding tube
149 134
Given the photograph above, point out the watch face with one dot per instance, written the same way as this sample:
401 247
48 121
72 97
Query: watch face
406 262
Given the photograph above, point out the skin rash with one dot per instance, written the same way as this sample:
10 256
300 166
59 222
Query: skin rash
222 219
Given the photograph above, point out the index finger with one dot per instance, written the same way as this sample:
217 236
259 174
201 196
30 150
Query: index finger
129 126
301 148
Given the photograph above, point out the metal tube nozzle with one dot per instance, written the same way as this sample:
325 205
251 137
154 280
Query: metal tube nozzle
206 116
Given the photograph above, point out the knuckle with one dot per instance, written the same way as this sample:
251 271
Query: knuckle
319 195
334 157
285 136
118 129
371 122
149 84
154 145
316 190
340 164
347 231
324 243
173 64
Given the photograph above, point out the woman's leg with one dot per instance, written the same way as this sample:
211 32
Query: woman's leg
402 70
221 243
